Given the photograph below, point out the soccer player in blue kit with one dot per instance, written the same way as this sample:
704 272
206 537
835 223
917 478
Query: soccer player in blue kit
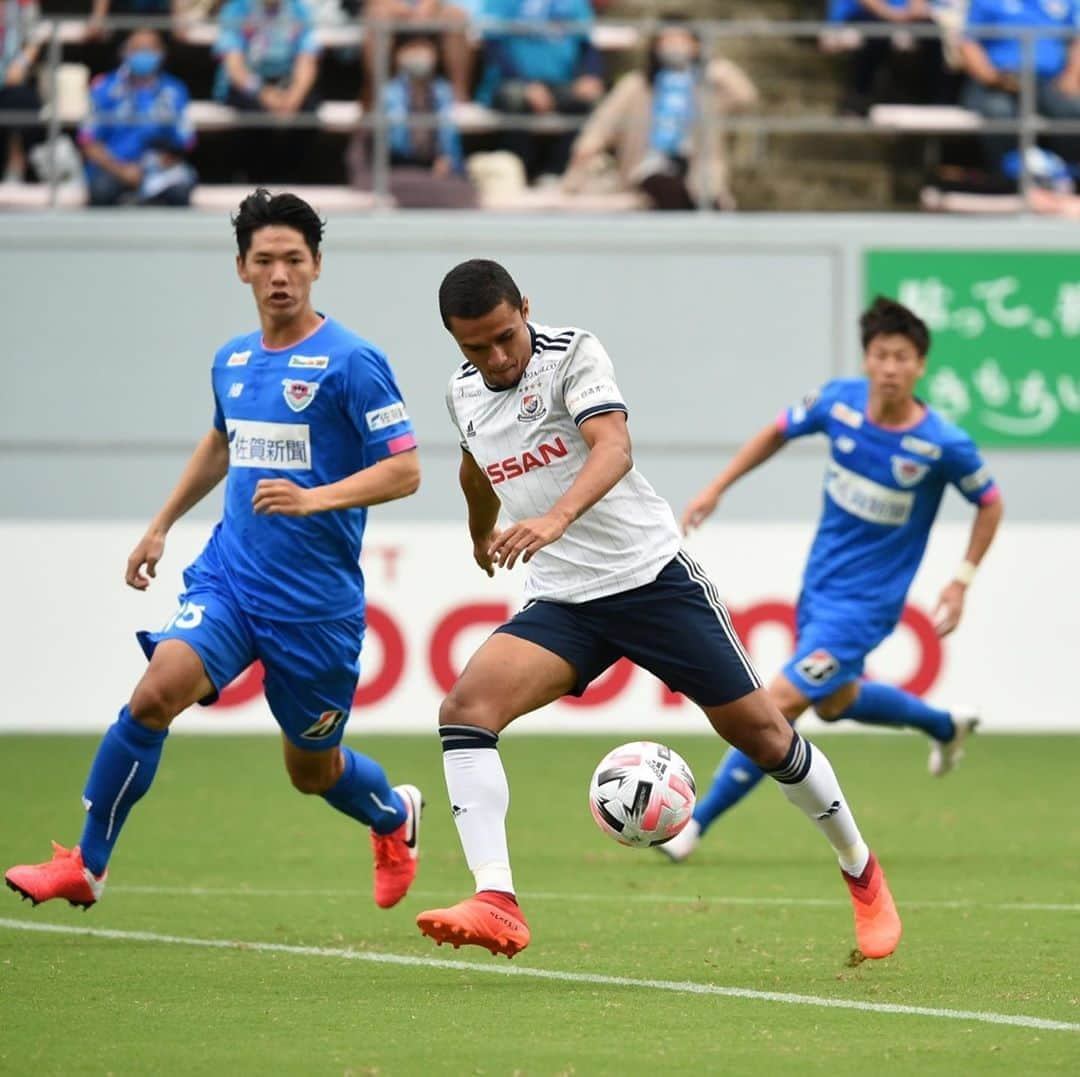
891 458
310 429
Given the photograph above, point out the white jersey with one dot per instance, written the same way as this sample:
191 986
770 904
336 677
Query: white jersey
526 440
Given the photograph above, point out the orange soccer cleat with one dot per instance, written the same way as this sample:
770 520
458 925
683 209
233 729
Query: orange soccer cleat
65 876
397 853
489 918
877 923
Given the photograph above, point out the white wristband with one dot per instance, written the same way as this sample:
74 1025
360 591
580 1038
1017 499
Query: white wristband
965 572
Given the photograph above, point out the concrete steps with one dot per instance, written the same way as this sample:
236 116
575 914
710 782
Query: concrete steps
798 172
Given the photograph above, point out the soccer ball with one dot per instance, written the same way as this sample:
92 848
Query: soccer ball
642 794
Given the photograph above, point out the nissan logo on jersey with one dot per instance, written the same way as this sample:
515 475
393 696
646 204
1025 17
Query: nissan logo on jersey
513 466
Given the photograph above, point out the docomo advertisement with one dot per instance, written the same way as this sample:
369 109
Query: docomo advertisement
71 659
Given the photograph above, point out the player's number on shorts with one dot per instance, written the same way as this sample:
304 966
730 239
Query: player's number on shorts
189 615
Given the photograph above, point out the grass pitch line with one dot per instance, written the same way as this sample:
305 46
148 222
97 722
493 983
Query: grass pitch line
677 987
652 899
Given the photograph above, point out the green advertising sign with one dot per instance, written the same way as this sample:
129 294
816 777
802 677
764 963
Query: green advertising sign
1005 358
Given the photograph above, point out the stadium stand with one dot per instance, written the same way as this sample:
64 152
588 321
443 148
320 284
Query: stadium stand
806 158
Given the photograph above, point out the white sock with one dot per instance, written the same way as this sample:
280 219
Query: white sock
807 779
480 799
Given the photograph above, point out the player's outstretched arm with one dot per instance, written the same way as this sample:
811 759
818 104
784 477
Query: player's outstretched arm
208 465
765 443
389 479
483 506
609 459
950 605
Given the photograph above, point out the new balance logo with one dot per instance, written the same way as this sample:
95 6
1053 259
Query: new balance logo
829 812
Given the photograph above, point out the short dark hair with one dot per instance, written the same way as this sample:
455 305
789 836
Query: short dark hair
885 316
262 209
475 288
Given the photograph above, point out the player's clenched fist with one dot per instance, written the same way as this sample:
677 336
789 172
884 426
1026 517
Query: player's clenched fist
949 609
279 497
148 552
482 552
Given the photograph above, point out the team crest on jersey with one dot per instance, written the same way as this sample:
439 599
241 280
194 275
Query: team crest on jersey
238 359
299 394
908 472
325 726
532 408
818 667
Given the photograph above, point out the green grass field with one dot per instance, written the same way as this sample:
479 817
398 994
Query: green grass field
985 866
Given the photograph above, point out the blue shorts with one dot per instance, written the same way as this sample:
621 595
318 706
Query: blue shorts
675 627
832 644
311 666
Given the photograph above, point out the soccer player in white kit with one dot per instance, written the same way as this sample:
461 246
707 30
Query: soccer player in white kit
544 440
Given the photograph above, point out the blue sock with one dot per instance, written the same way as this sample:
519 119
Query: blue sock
122 771
884 704
735 777
363 792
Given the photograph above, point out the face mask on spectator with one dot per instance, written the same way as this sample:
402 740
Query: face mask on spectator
143 63
675 56
418 65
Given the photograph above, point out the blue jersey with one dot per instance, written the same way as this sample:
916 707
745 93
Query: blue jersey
882 492
312 413
269 40
1006 53
130 117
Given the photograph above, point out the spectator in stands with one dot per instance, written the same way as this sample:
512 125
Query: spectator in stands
456 54
137 133
926 81
18 52
269 56
650 119
539 74
993 67
269 63
426 162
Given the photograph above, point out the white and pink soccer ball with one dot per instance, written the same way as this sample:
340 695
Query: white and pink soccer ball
642 794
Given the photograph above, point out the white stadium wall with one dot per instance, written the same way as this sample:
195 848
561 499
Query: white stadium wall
67 634
713 324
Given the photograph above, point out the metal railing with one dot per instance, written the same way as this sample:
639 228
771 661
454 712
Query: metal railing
712 122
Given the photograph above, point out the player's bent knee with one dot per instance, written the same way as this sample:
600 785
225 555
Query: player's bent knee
828 712
154 705
833 707
458 709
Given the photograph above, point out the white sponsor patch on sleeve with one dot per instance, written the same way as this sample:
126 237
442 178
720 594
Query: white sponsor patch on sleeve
582 397
976 480
381 418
